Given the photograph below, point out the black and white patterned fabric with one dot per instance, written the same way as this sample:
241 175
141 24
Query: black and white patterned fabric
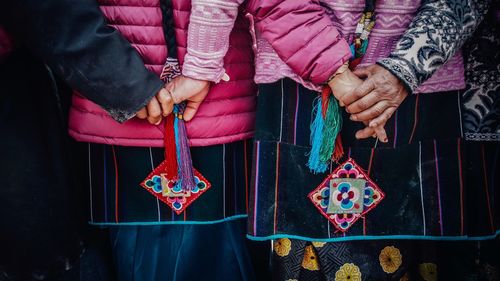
439 30
481 99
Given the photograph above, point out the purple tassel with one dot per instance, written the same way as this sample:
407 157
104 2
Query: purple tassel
186 174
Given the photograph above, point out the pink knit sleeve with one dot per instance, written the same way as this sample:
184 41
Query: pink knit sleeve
210 24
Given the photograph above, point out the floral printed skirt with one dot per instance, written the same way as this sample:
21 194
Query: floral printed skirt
418 260
438 212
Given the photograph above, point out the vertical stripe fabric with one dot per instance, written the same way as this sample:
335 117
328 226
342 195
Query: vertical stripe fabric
436 183
116 197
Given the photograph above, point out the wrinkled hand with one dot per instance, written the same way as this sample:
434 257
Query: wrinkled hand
342 87
376 99
178 90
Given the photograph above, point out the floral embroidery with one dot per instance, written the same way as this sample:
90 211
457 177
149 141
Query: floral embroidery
428 271
344 221
347 187
318 244
310 260
170 192
177 202
154 183
390 259
200 185
322 197
348 272
346 196
282 247
370 196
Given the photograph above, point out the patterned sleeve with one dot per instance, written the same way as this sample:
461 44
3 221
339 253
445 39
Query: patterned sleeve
210 24
438 30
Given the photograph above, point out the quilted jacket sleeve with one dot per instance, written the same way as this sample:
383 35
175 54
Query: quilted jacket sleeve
73 38
302 35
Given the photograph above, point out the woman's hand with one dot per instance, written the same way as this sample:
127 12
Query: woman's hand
180 89
343 86
375 100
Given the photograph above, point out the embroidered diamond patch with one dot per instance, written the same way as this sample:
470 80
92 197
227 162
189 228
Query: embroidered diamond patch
169 191
346 195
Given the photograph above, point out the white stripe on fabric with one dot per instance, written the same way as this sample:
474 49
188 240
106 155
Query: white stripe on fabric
460 115
421 188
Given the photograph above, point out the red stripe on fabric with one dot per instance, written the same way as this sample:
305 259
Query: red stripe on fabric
276 186
487 189
415 120
116 183
371 160
459 151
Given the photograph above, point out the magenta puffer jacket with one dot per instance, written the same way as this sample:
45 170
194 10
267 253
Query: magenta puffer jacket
228 112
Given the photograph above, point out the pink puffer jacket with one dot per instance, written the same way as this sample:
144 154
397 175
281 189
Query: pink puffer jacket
228 112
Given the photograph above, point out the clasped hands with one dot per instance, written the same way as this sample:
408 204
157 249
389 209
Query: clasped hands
371 95
180 89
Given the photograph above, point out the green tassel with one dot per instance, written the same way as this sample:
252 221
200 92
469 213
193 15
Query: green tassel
330 130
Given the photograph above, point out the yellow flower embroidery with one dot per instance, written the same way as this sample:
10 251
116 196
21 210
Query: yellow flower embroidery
282 247
310 260
348 272
390 259
318 244
428 271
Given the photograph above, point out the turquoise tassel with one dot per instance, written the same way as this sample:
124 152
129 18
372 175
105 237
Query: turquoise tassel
331 128
315 164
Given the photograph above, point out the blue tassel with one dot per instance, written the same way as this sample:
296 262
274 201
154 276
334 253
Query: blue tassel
315 164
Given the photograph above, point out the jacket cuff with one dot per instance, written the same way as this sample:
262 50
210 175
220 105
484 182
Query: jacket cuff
122 115
402 70
203 69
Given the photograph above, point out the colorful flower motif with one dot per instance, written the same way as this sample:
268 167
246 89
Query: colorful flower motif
390 259
200 185
322 197
345 196
348 272
344 220
348 171
318 244
154 183
428 271
370 196
282 247
310 261
177 202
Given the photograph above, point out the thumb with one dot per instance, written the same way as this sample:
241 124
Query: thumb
191 109
193 104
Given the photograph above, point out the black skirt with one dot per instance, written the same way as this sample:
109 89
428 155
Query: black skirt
440 192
